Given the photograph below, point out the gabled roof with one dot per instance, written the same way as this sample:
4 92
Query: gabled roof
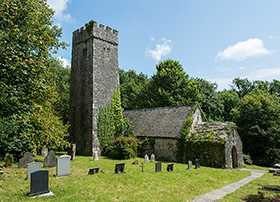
218 130
165 122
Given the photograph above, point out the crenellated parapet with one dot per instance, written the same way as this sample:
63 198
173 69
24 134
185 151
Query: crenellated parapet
92 30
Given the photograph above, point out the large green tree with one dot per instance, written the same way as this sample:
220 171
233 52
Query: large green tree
170 86
257 118
27 90
132 86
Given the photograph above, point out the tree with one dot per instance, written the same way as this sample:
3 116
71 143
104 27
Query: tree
170 86
257 118
131 86
27 91
229 100
242 86
211 103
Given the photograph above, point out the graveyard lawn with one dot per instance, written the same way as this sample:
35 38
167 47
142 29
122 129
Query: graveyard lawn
180 185
251 192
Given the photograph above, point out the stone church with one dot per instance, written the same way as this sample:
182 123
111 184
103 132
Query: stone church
94 77
220 142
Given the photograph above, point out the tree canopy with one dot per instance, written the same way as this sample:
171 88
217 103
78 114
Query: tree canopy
27 90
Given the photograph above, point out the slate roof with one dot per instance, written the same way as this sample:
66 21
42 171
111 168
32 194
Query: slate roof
164 122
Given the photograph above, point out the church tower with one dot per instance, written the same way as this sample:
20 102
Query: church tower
94 77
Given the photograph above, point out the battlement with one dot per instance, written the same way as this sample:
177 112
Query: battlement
92 30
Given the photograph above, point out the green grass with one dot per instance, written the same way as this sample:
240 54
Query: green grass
180 185
249 192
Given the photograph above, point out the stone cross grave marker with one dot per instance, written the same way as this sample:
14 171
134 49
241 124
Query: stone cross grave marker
63 166
158 166
142 166
50 160
189 165
119 168
153 158
32 167
44 151
197 164
39 183
146 158
27 158
170 167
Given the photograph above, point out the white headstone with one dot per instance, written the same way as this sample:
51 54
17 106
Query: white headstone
146 158
153 158
63 165
33 167
95 156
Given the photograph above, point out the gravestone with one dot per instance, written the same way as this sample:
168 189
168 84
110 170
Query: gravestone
44 151
27 158
33 167
189 165
170 167
119 168
146 158
158 166
73 151
93 170
197 164
50 160
39 183
95 156
142 166
63 166
153 158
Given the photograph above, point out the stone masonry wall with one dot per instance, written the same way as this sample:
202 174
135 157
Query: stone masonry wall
94 77
165 149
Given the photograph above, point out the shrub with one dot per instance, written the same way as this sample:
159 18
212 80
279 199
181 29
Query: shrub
247 159
123 148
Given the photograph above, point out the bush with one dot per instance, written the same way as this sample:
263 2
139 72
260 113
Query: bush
247 159
123 148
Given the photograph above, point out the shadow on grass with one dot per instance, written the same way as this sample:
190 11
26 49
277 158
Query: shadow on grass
253 198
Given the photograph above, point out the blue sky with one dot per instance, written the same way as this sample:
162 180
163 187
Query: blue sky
216 40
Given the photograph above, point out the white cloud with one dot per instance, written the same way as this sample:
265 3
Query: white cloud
265 74
243 50
60 6
224 69
160 50
64 61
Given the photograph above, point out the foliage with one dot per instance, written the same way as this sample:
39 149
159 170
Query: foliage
131 87
123 148
170 86
257 118
247 159
89 25
61 77
31 132
111 124
181 145
211 104
27 91
229 100
105 128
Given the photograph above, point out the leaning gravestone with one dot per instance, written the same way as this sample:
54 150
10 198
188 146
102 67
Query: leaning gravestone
39 183
44 151
146 158
50 160
153 158
33 167
158 167
119 168
189 165
27 158
63 166
197 164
